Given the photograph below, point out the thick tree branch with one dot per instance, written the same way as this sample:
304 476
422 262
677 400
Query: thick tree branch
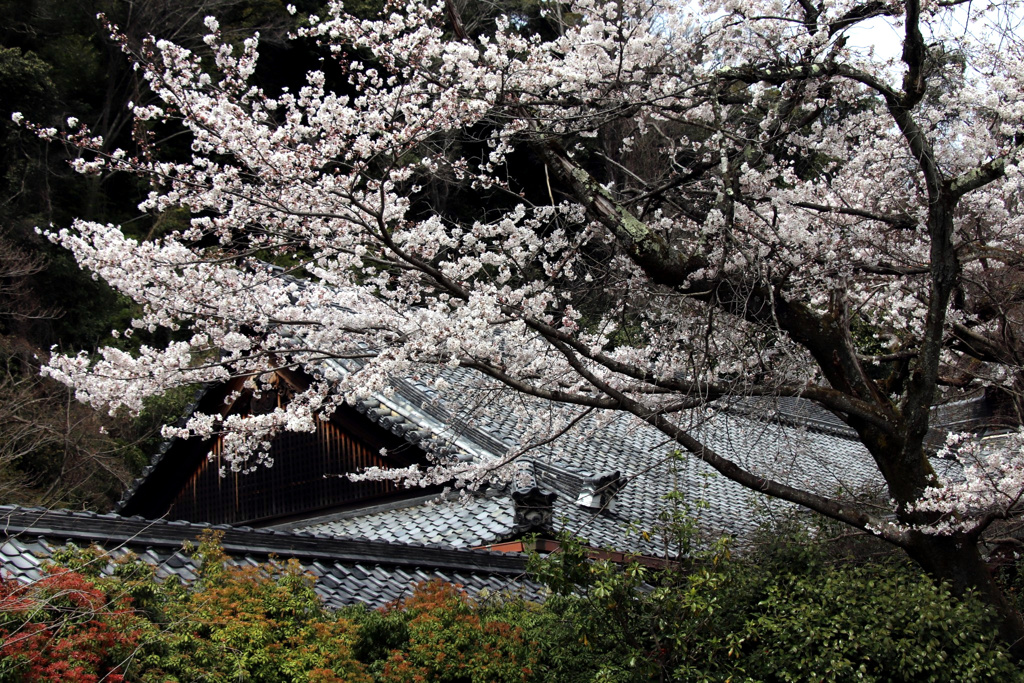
981 346
860 13
826 506
982 175
913 56
901 222
650 251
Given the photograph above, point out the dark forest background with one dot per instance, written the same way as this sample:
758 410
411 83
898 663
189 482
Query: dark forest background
58 61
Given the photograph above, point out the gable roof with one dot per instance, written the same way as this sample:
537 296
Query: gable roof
190 478
347 571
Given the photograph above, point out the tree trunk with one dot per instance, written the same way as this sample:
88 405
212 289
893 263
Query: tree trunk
957 560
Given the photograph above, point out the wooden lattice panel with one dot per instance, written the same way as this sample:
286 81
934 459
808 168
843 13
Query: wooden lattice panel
307 474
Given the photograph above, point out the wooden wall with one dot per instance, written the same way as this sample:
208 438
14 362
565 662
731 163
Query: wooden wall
305 477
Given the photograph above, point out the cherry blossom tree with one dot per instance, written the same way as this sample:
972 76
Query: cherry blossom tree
656 206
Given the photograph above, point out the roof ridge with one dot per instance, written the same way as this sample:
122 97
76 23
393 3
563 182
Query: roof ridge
99 527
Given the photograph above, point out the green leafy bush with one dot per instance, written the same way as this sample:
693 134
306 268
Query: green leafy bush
256 623
874 623
794 610
637 623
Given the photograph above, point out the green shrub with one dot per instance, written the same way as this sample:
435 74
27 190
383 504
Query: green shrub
256 623
871 623
794 611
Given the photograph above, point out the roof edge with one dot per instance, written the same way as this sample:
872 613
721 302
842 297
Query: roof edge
92 528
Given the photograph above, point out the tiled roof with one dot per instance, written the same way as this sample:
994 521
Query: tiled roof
348 571
792 411
970 413
454 524
818 460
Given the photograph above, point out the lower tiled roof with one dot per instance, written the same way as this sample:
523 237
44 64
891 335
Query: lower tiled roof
347 571
454 524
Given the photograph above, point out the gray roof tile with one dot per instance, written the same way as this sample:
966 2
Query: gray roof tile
28 541
815 453
789 440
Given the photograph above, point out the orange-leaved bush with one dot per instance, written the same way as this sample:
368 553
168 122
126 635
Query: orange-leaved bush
65 627
255 623
449 641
